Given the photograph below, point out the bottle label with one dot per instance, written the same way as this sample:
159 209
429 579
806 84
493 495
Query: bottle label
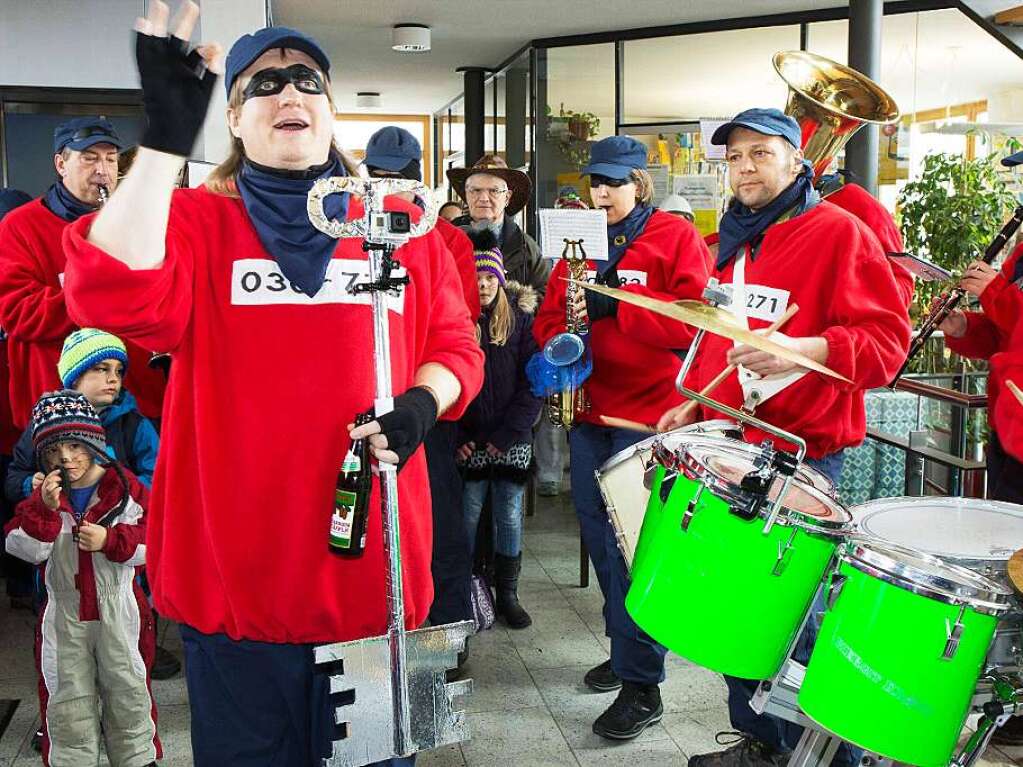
341 530
352 464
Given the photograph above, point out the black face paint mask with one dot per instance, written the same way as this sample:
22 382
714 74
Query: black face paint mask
270 82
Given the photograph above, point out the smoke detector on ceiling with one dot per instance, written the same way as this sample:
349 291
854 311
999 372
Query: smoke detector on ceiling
367 99
410 38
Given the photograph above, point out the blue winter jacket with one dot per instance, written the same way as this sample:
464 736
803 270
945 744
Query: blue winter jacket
131 439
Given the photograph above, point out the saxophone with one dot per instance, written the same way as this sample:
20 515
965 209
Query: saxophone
567 350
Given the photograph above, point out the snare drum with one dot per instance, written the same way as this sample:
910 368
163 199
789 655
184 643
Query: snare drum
624 479
900 650
709 584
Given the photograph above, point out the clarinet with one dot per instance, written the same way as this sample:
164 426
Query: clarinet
952 299
104 195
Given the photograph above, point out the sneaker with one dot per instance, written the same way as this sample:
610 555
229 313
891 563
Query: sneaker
1010 733
637 707
742 751
165 665
548 489
602 679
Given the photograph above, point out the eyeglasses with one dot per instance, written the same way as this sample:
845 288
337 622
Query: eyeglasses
475 191
598 180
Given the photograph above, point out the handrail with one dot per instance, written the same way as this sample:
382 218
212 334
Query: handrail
941 394
930 453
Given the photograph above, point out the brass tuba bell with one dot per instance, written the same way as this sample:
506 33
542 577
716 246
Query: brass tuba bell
830 102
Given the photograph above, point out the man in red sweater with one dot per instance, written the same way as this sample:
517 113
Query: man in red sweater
780 244
273 361
32 308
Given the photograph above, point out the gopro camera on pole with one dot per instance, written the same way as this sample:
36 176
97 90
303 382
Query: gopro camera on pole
399 701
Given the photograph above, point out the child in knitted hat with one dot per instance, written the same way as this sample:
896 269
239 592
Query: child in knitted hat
84 526
94 363
497 429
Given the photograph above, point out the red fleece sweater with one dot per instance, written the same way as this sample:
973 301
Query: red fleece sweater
996 334
862 204
460 245
265 380
634 367
34 314
828 263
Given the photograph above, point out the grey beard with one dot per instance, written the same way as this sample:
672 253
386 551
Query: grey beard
494 227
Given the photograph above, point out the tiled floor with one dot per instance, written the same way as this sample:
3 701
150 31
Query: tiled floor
529 706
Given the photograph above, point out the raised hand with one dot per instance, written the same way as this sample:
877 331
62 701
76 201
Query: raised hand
176 84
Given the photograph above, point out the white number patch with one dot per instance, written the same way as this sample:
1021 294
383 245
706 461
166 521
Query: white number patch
764 303
259 282
627 276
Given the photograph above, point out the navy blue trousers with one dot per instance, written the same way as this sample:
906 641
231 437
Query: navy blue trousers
635 657
780 734
451 565
258 704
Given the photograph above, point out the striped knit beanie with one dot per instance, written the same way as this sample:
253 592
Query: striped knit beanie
487 253
85 348
67 416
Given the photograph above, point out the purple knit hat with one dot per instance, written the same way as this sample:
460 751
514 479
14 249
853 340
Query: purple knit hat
487 254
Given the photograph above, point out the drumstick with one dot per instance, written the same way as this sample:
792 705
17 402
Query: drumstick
625 423
1015 390
709 388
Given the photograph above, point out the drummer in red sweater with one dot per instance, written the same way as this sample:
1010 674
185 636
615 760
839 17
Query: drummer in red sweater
273 359
780 244
634 366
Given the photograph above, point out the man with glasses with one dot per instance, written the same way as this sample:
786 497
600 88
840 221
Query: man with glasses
32 309
494 193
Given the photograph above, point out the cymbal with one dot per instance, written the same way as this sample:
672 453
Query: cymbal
1015 391
720 322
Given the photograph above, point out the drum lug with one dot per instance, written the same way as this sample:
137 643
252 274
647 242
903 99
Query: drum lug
784 554
953 634
834 589
691 507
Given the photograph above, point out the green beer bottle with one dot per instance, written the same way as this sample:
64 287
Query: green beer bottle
351 498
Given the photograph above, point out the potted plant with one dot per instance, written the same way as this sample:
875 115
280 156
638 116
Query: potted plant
582 126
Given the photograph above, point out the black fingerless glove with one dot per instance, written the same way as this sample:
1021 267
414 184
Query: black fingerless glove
599 306
176 91
414 414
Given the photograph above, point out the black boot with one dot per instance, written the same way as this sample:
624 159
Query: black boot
637 707
507 576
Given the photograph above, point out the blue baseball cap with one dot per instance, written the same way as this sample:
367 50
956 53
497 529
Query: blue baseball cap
1013 160
83 132
392 148
616 157
248 48
770 122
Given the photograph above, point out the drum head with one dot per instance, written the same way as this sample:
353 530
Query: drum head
722 465
955 529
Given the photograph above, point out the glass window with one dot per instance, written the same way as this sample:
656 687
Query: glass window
715 74
950 80
576 90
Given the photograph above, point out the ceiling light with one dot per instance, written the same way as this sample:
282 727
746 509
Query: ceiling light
410 38
367 99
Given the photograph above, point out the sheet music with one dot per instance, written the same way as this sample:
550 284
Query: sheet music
590 226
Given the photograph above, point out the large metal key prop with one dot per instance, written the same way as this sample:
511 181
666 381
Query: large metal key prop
396 699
